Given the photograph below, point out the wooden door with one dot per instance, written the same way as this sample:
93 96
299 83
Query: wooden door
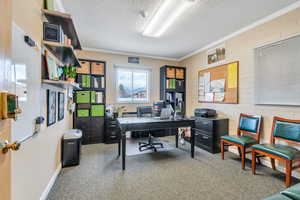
5 62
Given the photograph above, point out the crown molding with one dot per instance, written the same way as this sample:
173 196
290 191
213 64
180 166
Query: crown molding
129 54
247 28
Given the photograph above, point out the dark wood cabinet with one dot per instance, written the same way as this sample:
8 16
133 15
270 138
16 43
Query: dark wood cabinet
208 132
112 132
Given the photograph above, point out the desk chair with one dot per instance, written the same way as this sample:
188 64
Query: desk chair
284 130
146 111
248 134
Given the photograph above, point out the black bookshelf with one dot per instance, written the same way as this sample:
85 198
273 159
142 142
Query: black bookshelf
89 115
173 87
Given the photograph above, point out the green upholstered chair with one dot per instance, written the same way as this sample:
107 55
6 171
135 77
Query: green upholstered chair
292 193
282 130
248 134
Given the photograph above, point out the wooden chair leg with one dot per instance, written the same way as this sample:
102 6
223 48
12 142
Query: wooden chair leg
243 151
258 160
240 152
273 163
253 162
222 149
288 173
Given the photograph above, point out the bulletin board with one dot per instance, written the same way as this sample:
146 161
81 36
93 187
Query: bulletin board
219 84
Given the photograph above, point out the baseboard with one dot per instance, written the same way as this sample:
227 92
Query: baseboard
267 163
51 183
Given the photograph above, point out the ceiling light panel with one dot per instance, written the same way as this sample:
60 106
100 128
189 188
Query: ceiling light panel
166 15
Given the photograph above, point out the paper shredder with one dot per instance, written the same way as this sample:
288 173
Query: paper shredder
70 148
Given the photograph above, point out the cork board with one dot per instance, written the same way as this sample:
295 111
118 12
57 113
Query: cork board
225 76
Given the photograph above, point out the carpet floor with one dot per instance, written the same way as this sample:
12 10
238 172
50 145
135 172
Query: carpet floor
164 175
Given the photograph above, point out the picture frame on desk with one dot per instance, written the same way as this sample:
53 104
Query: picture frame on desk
51 107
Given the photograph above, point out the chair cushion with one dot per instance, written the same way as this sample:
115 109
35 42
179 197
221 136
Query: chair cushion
242 140
249 124
280 150
277 197
292 192
287 130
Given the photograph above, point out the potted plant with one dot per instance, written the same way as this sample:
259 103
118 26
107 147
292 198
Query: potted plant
70 73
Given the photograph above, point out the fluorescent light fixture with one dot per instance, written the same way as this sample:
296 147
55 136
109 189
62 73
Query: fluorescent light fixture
165 16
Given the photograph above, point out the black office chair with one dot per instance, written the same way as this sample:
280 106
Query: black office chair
146 111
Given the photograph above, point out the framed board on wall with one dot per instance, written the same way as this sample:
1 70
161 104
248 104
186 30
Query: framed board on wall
219 84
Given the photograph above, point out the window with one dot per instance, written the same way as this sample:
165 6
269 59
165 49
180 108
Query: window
132 85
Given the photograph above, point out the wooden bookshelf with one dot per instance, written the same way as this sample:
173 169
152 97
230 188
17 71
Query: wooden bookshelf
64 53
61 84
66 22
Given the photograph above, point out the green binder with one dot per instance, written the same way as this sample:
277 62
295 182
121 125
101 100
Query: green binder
93 96
49 4
86 81
83 113
83 97
97 110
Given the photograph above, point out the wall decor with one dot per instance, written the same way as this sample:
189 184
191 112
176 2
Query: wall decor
61 106
215 55
52 67
51 107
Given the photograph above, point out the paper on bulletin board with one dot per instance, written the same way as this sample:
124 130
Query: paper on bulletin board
201 86
209 96
232 75
217 85
207 81
219 96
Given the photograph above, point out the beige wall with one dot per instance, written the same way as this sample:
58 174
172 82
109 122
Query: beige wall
113 59
38 158
240 48
5 125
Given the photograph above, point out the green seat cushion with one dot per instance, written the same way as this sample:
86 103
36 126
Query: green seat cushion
277 197
242 140
280 150
292 192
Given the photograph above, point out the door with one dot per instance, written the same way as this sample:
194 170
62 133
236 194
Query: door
5 84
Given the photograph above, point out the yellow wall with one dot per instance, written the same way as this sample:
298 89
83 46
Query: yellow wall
240 48
38 158
113 59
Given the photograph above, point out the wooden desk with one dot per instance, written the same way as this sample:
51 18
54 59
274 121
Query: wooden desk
148 124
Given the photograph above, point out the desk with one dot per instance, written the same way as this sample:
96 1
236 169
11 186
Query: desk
148 124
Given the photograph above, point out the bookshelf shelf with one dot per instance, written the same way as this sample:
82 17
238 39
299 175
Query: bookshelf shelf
64 53
66 22
61 84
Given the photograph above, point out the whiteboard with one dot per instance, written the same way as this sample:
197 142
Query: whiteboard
27 78
277 73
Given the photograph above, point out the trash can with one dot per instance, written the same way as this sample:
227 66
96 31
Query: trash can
70 148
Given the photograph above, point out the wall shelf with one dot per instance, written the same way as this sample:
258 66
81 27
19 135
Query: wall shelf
66 22
64 53
61 84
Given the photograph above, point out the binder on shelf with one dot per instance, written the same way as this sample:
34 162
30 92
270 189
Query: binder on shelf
85 81
83 113
82 97
102 82
171 83
97 110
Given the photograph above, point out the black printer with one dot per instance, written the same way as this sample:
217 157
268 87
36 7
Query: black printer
205 112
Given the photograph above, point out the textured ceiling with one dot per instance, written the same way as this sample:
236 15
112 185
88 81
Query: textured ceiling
116 25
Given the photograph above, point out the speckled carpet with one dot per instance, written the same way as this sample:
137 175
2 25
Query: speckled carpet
166 175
